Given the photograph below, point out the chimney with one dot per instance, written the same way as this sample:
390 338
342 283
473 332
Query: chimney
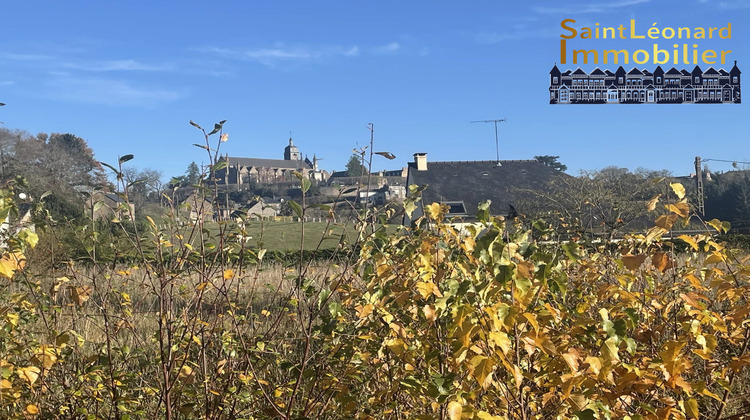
420 159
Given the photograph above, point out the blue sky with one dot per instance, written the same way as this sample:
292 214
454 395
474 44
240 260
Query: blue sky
128 76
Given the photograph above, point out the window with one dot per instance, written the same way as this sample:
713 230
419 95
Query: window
554 80
658 80
697 79
734 79
620 80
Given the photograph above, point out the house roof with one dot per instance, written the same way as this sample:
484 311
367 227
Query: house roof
609 73
267 163
597 72
635 71
723 72
711 70
673 71
515 182
579 71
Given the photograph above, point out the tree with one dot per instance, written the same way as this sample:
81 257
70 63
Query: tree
354 167
144 185
552 162
607 201
193 174
60 163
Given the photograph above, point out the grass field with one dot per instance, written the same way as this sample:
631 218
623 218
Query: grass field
287 236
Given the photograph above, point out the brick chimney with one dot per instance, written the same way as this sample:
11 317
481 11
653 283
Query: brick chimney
420 159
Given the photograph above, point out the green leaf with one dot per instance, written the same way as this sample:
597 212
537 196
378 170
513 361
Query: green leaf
571 250
296 207
587 414
222 164
483 211
305 185
194 124
217 127
125 158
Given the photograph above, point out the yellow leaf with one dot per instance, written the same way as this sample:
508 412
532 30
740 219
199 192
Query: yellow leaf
429 313
454 410
525 269
714 258
652 203
81 294
532 320
666 221
632 262
483 367
661 261
5 384
678 189
690 241
32 409
30 374
681 209
228 274
691 408
433 211
578 401
365 311
186 374
501 340
425 288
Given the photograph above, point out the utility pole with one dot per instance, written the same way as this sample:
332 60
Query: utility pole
497 143
699 186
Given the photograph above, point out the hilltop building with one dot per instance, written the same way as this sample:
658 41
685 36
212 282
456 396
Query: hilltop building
642 86
242 171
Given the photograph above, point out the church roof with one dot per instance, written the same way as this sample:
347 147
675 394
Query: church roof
267 163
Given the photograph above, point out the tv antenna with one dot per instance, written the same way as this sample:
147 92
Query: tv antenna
497 143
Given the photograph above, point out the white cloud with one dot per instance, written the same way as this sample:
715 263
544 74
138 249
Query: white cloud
117 65
281 52
589 8
24 57
733 5
108 92
391 48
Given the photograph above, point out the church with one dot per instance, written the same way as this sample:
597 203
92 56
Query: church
241 170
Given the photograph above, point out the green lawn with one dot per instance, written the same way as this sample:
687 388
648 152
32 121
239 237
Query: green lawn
286 236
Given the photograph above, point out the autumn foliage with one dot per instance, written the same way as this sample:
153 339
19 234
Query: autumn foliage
494 320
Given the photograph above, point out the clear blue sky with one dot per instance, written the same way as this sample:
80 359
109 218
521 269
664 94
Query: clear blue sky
128 76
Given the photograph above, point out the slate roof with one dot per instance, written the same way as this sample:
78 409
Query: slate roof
267 163
635 71
609 73
579 71
711 70
514 183
597 72
723 72
673 71
686 73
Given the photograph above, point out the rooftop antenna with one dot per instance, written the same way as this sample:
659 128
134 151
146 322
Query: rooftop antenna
497 143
